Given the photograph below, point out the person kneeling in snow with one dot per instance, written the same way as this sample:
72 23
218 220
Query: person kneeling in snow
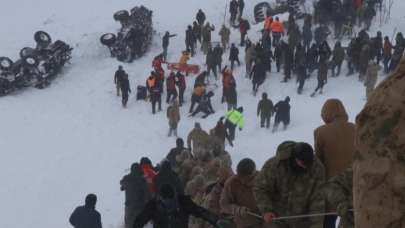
205 105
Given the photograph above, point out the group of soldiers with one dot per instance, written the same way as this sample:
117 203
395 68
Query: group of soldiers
197 179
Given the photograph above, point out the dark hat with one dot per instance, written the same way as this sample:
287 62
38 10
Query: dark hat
179 142
165 166
145 160
246 167
303 152
91 200
136 168
264 95
240 109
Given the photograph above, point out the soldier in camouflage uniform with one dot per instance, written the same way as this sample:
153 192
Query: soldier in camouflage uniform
339 196
379 164
290 184
371 77
199 138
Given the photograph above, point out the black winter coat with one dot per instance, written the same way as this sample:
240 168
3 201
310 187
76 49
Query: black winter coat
85 217
119 75
171 156
167 176
234 54
136 190
173 215
190 37
282 109
259 73
125 87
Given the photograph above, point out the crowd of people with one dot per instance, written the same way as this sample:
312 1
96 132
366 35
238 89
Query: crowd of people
197 179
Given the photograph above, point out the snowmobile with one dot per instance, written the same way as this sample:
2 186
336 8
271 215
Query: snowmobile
36 66
135 36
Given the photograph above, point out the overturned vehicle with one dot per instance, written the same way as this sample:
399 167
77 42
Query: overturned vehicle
274 7
135 36
36 66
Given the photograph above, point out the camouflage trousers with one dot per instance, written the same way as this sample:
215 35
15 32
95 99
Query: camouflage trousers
369 90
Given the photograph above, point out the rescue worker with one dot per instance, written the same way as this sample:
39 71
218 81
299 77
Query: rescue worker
125 90
198 92
290 183
233 119
119 74
86 215
338 56
197 141
282 110
378 168
173 115
225 33
244 27
237 198
165 43
136 193
171 91
181 84
265 110
371 77
277 29
234 55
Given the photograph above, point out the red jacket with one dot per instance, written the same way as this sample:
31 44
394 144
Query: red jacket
149 175
244 26
228 81
267 24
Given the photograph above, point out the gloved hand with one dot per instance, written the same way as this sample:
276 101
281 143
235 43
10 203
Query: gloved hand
241 211
240 129
342 209
268 217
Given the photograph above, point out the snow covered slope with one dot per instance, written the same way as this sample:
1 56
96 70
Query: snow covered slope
73 138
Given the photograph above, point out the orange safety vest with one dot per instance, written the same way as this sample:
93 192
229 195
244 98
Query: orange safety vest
151 82
277 26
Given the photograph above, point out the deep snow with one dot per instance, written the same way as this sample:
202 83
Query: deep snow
73 138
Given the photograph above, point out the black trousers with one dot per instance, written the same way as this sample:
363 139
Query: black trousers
157 100
233 62
300 86
171 95
200 109
124 99
265 119
230 128
181 95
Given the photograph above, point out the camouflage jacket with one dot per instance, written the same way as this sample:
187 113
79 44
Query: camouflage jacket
280 190
339 190
379 161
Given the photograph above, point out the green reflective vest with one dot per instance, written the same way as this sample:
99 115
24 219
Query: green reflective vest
235 117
